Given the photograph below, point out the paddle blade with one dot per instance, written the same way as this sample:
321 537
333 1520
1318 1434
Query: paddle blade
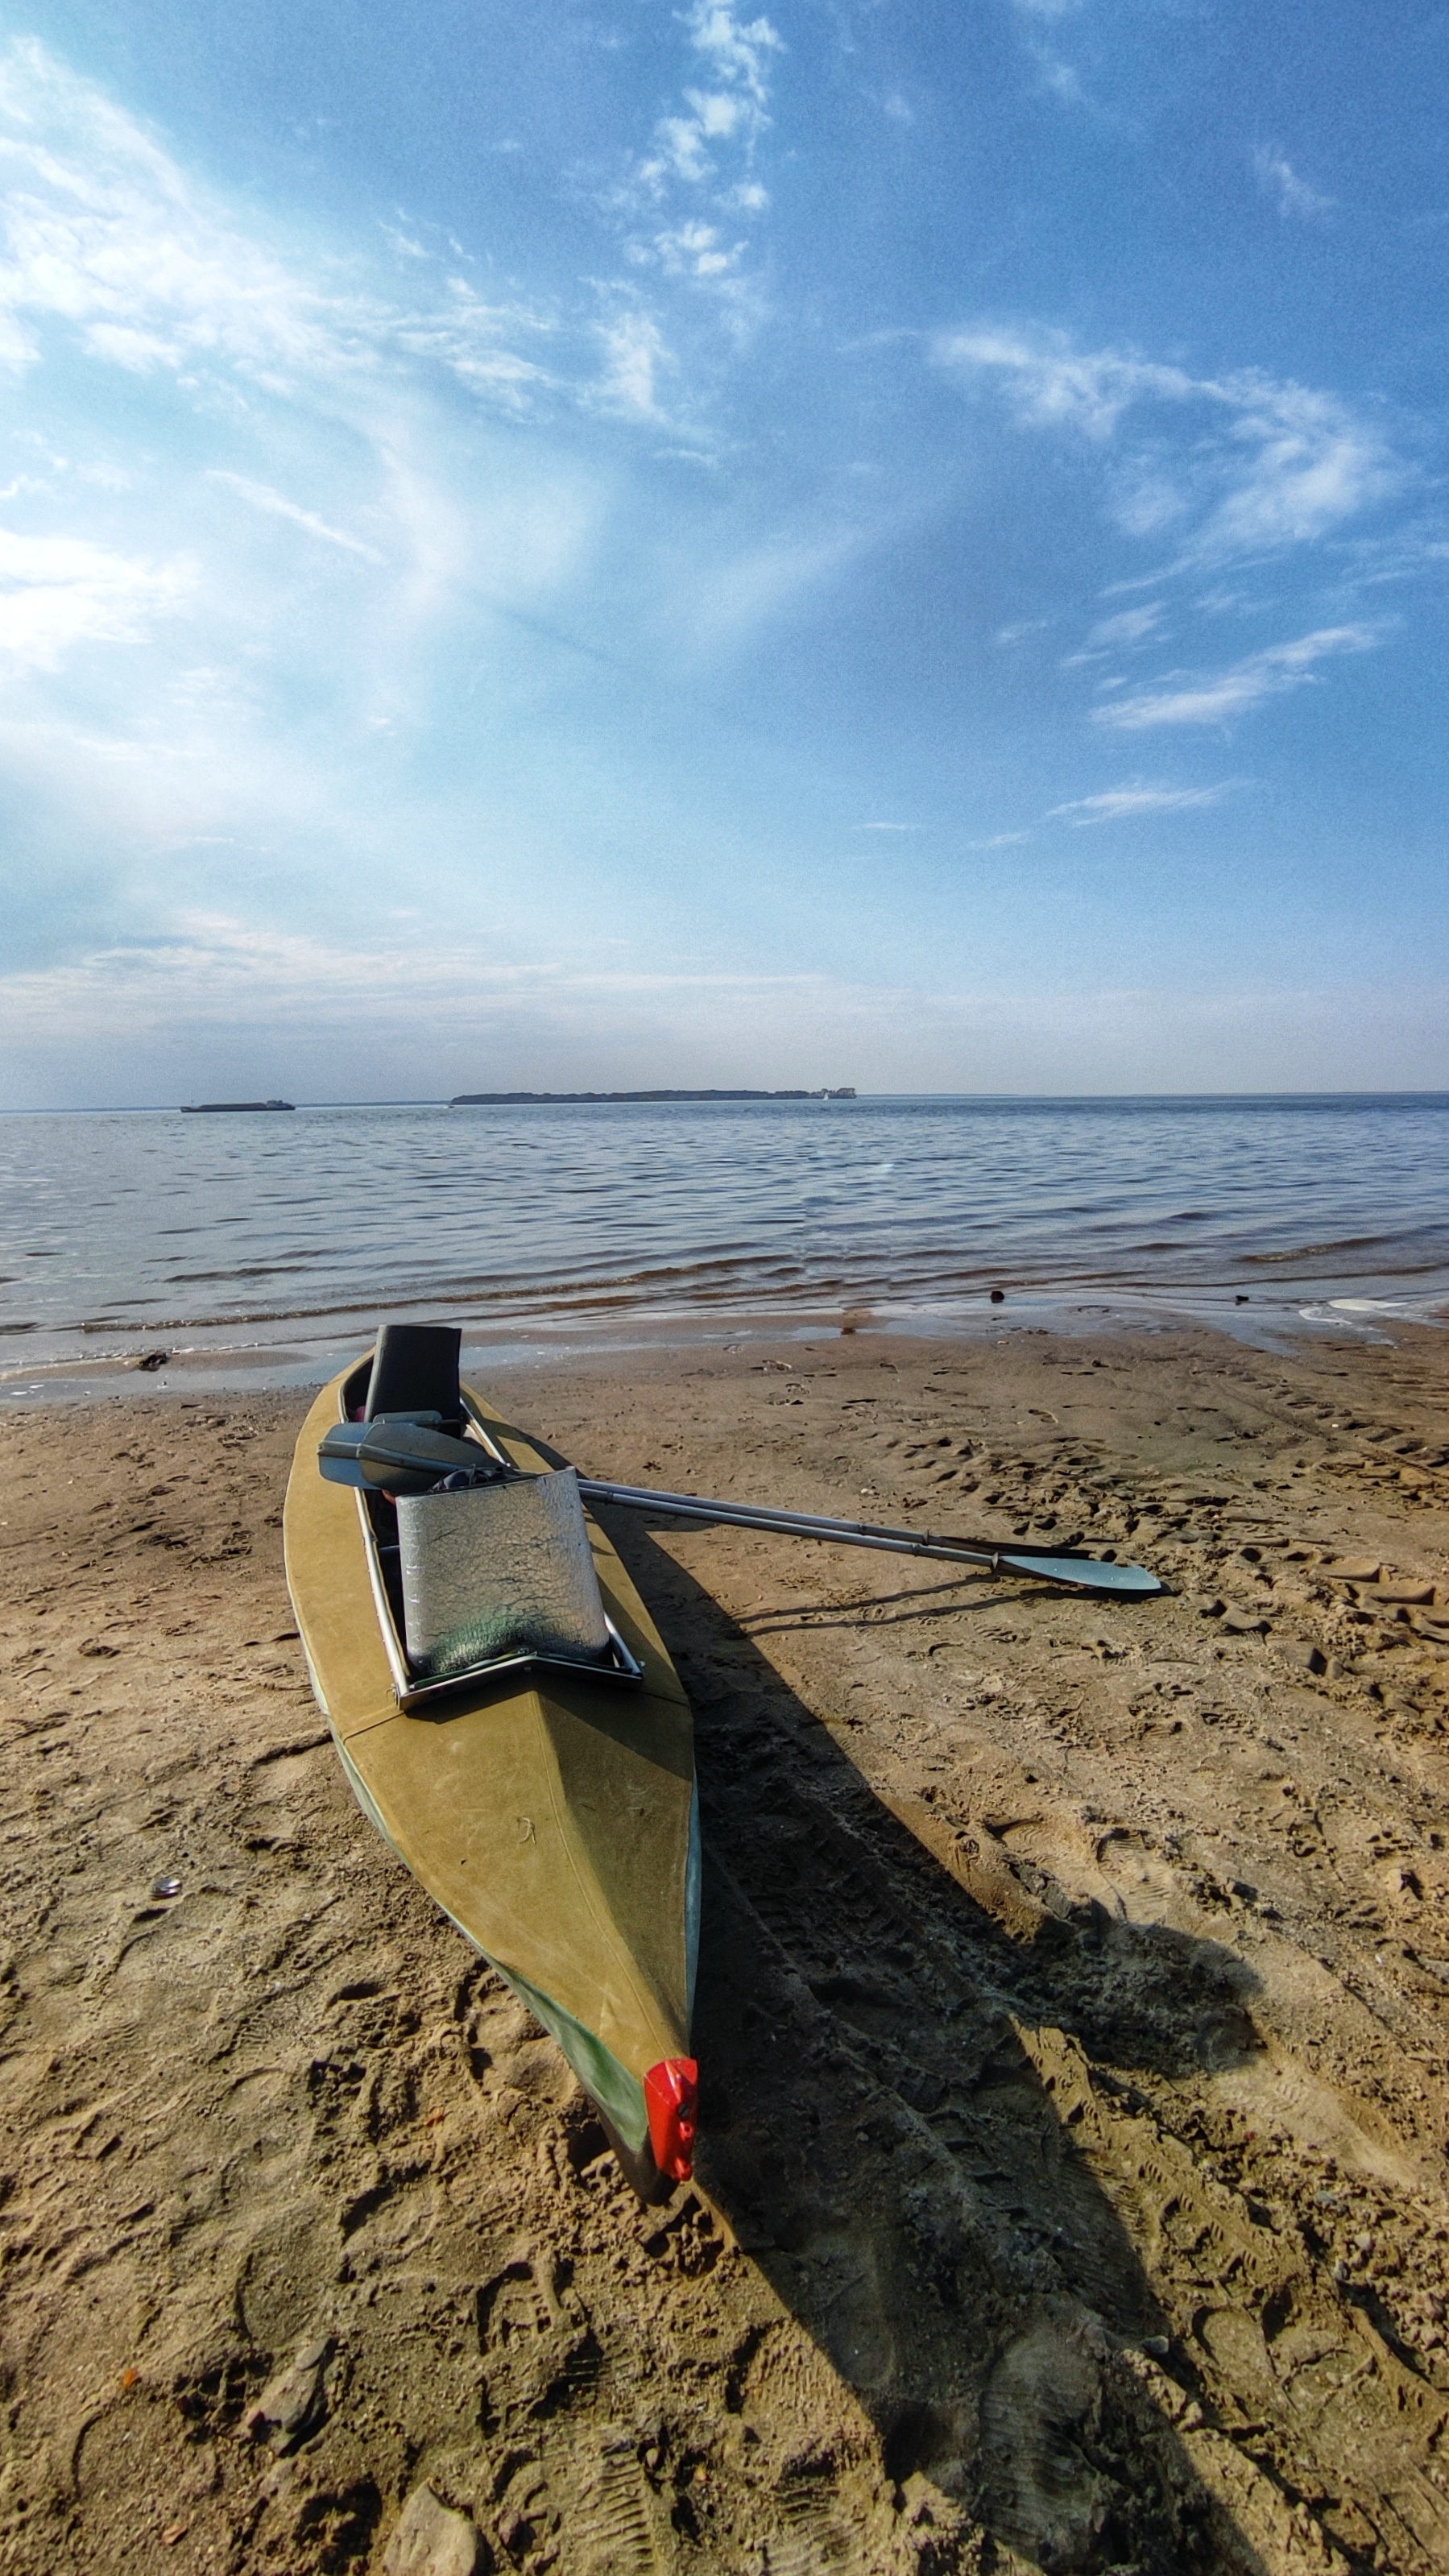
399 1456
1085 1574
337 1459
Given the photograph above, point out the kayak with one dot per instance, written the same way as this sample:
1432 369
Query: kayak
542 1792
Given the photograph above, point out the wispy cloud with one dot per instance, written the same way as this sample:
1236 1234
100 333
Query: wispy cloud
704 153
634 356
222 957
210 979
1129 629
1217 699
1059 78
102 234
697 250
1055 385
107 242
334 393
275 505
57 593
1123 804
1278 179
731 115
1264 463
1129 626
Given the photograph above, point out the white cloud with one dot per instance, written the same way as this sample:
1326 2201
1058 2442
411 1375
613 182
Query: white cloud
1122 804
214 1003
102 233
1277 178
107 242
1312 466
722 123
103 237
483 345
738 52
60 592
718 113
1235 692
634 353
1059 76
260 496
694 250
1057 386
1132 626
1261 463
679 152
213 970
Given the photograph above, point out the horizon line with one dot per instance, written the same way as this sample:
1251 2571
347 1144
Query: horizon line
440 1100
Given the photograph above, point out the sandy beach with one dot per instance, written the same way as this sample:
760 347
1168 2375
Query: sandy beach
1073 1995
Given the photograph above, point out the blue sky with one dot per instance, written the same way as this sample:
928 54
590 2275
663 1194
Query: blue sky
561 546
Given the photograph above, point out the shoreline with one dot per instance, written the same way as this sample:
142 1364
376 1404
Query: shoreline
216 1368
1074 1988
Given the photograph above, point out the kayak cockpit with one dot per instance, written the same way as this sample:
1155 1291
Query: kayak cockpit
403 1561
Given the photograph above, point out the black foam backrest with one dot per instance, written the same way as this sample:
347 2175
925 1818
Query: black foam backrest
415 1370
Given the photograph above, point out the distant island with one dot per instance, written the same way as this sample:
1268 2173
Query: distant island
214 1108
523 1099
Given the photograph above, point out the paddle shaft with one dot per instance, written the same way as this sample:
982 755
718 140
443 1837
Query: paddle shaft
1077 1572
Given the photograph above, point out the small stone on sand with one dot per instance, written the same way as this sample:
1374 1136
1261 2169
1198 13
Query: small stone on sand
430 2540
293 2404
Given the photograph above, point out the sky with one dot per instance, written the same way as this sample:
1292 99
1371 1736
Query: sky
894 542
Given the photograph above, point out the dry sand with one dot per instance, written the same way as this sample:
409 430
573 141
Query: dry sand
1071 2015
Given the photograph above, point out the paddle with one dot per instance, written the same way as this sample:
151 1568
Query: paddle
1045 1565
399 1453
409 1454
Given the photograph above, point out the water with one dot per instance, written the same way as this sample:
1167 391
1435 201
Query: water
274 1243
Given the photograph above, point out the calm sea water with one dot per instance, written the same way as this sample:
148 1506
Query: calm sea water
240 1242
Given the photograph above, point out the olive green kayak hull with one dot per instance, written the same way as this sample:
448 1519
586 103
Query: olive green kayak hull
551 1815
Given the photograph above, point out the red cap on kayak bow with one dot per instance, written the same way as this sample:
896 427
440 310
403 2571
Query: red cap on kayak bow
670 2091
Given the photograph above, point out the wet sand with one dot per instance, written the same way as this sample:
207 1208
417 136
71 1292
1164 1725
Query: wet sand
1072 2012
